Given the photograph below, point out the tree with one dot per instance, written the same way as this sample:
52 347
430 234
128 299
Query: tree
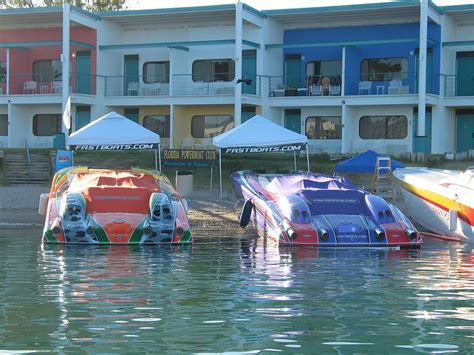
89 5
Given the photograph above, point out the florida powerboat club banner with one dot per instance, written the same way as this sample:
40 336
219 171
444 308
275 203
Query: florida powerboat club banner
288 148
138 146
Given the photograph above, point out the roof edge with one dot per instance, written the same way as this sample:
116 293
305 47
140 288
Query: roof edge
173 10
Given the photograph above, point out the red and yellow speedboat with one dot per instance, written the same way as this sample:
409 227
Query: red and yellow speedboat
99 206
442 201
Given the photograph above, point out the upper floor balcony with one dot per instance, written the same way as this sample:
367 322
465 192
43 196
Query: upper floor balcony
400 83
459 85
46 83
213 84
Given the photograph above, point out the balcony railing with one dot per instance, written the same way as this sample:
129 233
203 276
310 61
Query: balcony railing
213 84
360 84
137 85
46 84
458 85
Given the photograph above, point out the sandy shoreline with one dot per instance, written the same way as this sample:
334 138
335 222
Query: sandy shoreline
207 212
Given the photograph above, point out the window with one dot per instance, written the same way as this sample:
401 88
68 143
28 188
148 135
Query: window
331 69
3 125
210 125
380 69
46 124
156 72
210 70
383 127
159 124
3 72
47 70
324 127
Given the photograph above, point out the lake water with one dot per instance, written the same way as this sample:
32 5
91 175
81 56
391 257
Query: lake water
235 295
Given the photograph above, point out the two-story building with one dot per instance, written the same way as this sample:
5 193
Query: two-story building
396 77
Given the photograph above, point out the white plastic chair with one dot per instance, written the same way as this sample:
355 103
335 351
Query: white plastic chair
56 87
316 90
132 87
334 90
30 87
365 86
394 87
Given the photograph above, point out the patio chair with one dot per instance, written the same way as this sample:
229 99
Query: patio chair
133 87
334 90
316 90
365 86
56 87
325 83
30 87
394 86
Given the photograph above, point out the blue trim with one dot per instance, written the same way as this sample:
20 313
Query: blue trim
435 7
251 44
29 44
342 43
457 7
168 44
315 10
82 44
176 10
458 43
181 48
31 10
253 11
85 13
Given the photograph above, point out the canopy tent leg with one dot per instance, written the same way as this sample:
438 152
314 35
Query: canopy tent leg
156 160
72 157
159 157
220 170
307 157
294 159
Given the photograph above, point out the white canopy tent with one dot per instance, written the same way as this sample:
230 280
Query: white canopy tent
115 132
255 135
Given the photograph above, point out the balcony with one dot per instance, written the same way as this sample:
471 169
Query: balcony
315 85
46 84
181 85
458 85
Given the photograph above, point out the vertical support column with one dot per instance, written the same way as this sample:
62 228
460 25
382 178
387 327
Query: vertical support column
171 125
422 67
65 59
346 140
7 89
238 63
343 76
9 127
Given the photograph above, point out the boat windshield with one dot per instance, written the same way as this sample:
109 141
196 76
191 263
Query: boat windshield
295 209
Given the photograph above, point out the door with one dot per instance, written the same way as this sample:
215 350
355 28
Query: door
464 132
292 71
130 76
293 120
83 72
429 70
132 113
422 144
465 74
83 116
249 71
247 113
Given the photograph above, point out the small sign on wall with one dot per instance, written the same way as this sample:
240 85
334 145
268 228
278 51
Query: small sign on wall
189 158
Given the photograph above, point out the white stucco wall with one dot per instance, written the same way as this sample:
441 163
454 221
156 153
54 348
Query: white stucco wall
21 127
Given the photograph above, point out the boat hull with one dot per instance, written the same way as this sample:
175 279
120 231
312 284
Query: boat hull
435 202
320 217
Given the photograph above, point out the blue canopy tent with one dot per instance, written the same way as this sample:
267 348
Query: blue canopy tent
364 163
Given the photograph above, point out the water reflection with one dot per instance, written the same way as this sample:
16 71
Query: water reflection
235 295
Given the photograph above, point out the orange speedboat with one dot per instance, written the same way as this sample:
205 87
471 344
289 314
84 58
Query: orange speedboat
98 206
